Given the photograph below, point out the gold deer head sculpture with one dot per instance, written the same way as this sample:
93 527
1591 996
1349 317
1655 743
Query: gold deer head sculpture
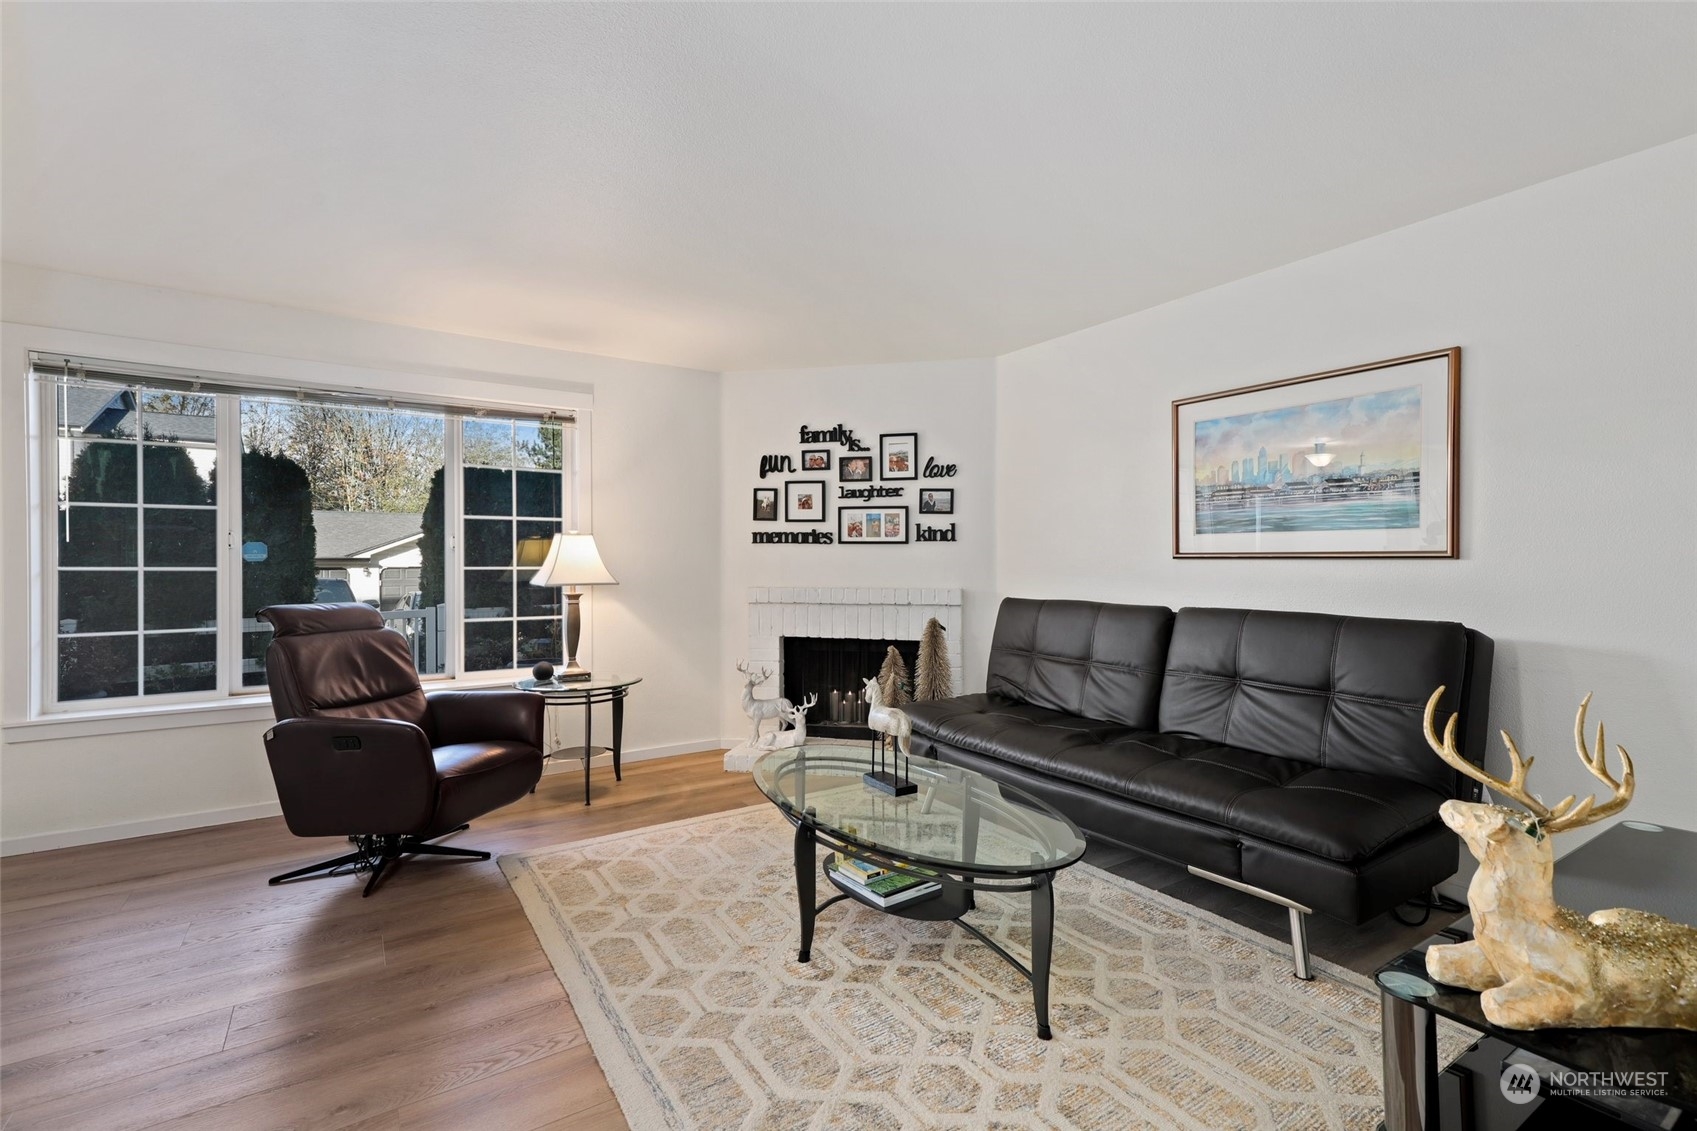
1536 964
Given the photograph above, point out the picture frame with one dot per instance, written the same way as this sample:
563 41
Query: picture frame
872 526
804 500
816 459
854 469
898 455
937 500
1360 462
765 504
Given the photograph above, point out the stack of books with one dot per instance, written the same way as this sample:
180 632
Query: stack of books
882 887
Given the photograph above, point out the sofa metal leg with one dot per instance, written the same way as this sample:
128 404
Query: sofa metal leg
1299 943
350 858
1298 915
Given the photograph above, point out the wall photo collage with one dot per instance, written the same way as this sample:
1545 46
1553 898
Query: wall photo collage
865 479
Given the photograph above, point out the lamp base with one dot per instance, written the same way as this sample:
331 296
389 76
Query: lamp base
571 673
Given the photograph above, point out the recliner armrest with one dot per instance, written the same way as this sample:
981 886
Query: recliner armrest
345 777
486 716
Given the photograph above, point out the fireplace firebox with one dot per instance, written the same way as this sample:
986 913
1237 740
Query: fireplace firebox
835 669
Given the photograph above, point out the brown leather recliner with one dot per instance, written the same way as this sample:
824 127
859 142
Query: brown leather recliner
361 750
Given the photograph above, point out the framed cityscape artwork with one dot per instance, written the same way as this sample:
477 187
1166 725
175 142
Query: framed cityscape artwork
1357 462
862 526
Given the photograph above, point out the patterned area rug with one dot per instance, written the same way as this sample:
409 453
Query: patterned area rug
677 945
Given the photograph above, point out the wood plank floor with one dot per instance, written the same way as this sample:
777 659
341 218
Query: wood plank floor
161 982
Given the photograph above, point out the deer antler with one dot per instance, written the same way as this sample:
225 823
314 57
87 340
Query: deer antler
811 702
1514 788
1567 815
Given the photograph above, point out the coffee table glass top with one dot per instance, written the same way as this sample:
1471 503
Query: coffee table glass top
958 820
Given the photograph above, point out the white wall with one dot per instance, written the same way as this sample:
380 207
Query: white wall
654 450
949 404
1575 305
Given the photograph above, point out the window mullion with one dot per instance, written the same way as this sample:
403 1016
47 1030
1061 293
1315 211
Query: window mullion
453 519
227 500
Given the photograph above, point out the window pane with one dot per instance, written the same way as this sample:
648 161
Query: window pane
179 417
487 443
540 640
488 492
539 445
357 492
488 645
97 536
254 643
87 411
102 473
539 600
179 661
488 593
98 601
97 667
175 537
179 599
488 542
179 476
539 494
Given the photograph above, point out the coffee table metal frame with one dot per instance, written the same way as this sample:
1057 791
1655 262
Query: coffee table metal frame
959 882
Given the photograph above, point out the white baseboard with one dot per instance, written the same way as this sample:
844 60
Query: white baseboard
70 838
99 834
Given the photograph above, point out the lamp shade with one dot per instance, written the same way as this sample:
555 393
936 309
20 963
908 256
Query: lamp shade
573 560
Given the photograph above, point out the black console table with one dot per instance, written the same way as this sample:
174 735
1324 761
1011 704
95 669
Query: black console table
586 694
1629 864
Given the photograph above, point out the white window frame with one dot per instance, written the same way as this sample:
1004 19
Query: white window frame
49 715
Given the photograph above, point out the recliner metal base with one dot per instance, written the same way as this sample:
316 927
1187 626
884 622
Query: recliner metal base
377 852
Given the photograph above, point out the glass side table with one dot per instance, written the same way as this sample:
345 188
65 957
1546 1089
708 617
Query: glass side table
586 694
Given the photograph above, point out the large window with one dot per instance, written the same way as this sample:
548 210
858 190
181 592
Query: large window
155 570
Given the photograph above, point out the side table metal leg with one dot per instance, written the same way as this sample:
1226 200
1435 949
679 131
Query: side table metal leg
806 864
1410 1041
588 744
618 734
1042 945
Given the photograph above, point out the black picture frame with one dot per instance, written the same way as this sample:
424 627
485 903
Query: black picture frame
796 494
769 496
866 516
936 500
821 456
855 469
902 447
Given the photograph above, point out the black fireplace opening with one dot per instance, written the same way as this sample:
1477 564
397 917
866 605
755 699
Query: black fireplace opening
835 670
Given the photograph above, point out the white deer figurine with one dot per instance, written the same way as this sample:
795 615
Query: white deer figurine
1537 964
889 721
797 734
759 710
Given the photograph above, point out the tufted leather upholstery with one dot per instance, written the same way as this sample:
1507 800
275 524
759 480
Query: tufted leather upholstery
360 748
1284 749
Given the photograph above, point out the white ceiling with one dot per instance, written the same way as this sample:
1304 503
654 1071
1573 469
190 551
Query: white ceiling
754 186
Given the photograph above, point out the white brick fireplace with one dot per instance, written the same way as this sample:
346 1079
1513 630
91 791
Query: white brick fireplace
845 614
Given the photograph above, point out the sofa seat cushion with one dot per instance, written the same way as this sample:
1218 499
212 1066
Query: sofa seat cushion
1342 815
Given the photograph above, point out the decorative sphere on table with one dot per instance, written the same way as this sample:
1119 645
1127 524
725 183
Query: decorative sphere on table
543 672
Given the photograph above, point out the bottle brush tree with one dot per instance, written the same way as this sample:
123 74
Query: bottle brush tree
933 678
893 684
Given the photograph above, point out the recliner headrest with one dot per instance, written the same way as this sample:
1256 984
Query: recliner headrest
301 620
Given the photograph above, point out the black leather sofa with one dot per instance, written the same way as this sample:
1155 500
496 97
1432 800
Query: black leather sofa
1279 753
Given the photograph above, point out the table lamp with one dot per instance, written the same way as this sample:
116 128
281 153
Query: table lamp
572 561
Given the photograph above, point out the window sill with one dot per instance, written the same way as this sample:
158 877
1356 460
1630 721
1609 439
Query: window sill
251 708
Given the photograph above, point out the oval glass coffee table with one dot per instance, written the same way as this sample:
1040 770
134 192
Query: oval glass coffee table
973 833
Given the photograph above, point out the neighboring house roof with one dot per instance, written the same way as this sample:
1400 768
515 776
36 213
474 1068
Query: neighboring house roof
112 412
351 535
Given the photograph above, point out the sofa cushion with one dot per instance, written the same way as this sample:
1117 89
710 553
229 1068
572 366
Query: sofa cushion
1083 658
1339 814
1345 693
